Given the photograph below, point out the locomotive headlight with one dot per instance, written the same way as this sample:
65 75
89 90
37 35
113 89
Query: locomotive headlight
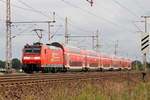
26 57
36 57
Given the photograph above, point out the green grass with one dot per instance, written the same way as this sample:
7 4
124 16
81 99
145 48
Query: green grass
91 92
102 90
1 98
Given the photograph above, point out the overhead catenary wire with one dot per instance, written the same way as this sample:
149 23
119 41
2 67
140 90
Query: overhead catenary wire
84 10
126 8
139 5
21 32
70 22
33 9
30 10
17 6
26 9
37 11
56 32
99 17
139 29
130 11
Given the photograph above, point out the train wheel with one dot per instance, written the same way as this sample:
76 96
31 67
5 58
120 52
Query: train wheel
26 70
86 70
64 70
119 69
44 70
101 69
53 70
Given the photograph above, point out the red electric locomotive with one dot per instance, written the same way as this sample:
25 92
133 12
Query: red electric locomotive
40 57
56 57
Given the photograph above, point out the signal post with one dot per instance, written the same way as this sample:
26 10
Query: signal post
145 42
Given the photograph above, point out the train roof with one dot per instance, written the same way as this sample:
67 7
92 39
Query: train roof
68 48
37 44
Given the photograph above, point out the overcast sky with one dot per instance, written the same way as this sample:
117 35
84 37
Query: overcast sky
115 20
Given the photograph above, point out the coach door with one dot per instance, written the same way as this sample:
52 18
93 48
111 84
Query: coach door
88 61
66 59
83 61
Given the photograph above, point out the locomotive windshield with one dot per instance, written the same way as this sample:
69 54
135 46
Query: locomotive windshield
32 50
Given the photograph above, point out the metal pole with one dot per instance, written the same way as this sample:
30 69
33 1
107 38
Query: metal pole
7 20
116 47
136 64
10 46
78 36
66 31
49 34
30 22
93 42
97 45
145 60
8 37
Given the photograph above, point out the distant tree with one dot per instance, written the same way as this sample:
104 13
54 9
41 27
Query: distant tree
16 63
148 65
139 65
2 64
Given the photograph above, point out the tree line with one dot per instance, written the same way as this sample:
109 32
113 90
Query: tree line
16 64
137 65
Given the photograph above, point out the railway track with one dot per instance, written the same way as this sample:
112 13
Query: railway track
26 79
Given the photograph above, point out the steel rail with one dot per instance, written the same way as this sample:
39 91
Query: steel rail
36 78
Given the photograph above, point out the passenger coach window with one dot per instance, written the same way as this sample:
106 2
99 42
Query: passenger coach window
45 51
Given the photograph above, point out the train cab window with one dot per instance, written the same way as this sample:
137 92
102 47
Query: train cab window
32 50
36 51
28 51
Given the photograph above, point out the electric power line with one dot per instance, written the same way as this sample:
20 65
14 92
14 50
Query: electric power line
99 17
56 32
124 7
25 4
139 5
84 10
137 26
21 33
70 22
31 10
